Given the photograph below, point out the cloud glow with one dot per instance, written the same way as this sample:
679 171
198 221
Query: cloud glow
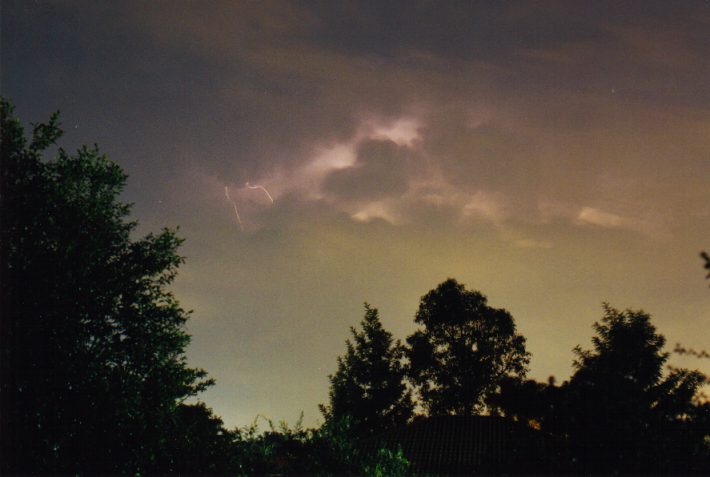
607 220
484 206
376 210
403 132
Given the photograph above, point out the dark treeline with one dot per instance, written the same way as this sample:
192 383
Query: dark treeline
95 379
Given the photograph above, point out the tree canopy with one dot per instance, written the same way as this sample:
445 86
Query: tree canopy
626 415
93 363
463 350
368 387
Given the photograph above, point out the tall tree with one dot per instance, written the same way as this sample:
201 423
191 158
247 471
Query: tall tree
626 415
369 386
464 349
93 362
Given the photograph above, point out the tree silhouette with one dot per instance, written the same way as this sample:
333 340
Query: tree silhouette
93 362
197 443
706 257
626 415
528 401
463 351
369 386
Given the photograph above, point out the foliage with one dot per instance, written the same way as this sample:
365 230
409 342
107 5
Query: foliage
328 450
528 401
93 364
279 450
387 463
463 351
369 385
706 257
285 450
625 415
334 448
197 443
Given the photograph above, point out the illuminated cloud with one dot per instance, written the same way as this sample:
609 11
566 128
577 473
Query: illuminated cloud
403 132
484 206
376 210
599 218
591 216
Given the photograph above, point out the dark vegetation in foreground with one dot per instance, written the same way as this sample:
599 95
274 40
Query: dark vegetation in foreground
94 375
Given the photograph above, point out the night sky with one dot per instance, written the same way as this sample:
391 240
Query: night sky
553 155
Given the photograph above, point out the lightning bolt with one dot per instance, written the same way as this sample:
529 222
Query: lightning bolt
236 212
262 188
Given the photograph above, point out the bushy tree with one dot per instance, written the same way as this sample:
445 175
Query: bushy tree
527 401
626 415
369 385
328 450
463 350
93 364
197 443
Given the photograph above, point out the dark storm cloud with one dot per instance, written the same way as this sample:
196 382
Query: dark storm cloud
379 171
524 107
456 30
306 76
154 107
269 83
484 155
